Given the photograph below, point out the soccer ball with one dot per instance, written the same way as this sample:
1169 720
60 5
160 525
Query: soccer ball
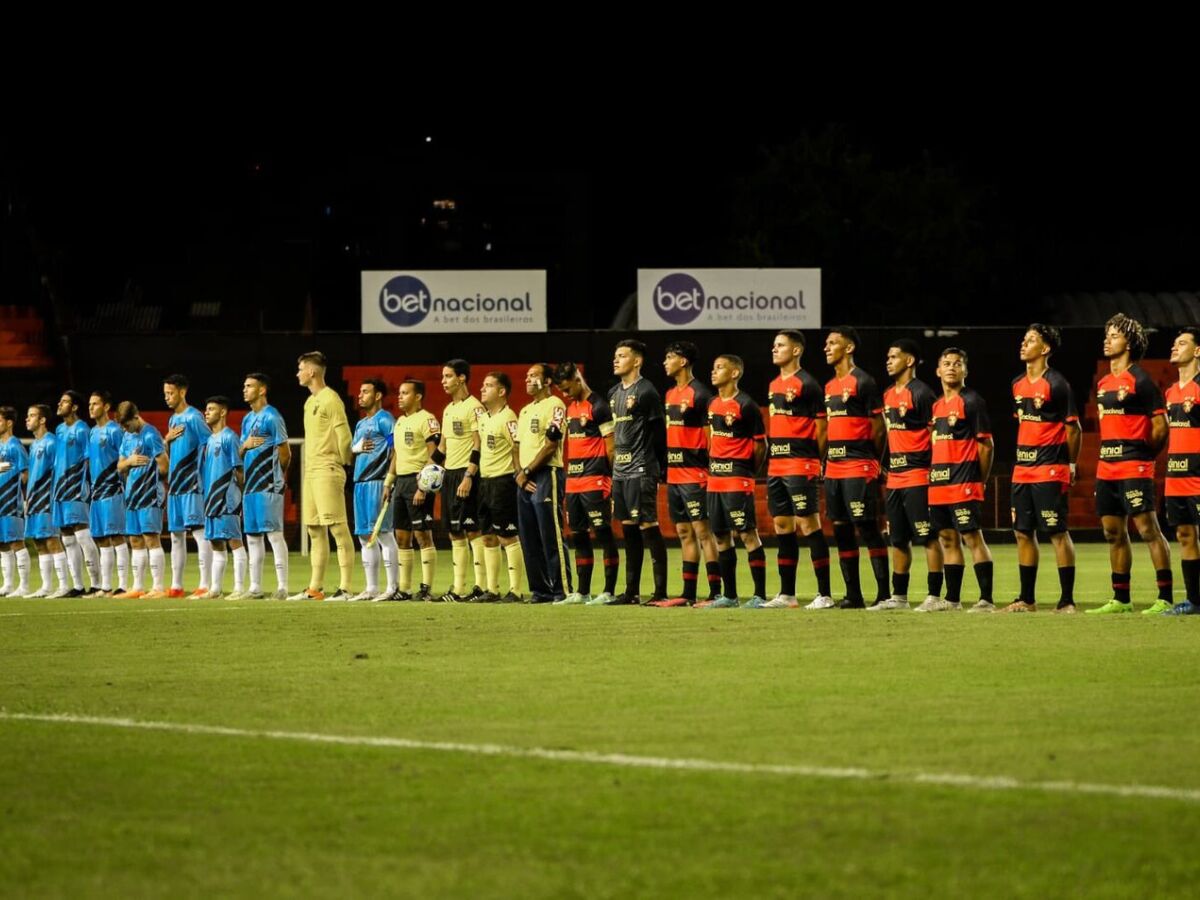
430 478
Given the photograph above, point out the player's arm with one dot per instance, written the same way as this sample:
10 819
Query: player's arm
987 450
760 452
342 435
822 437
610 451
1158 431
878 433
432 452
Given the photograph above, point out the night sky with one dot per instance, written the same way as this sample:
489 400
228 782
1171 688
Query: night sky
911 221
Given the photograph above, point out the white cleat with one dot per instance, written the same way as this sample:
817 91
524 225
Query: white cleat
781 601
937 604
281 594
59 594
983 606
382 597
362 595
211 595
892 602
236 595
821 602
39 594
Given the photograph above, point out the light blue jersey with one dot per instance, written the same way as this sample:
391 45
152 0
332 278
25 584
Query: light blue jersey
183 470
104 451
372 465
143 487
222 496
39 492
12 493
70 461
264 475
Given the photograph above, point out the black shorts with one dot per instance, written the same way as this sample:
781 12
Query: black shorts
1040 506
851 499
498 505
731 511
1183 511
460 513
687 503
1124 497
908 516
635 500
792 495
960 517
407 516
589 510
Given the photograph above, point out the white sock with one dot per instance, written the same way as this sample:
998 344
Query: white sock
178 559
141 559
8 561
123 580
279 550
108 559
219 559
46 567
74 554
370 561
23 570
158 566
205 549
91 554
391 559
256 549
60 568
239 569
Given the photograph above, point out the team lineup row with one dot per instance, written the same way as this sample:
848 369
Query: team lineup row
508 478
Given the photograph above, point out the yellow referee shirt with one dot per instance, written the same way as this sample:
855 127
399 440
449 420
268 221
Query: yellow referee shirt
408 440
326 434
460 424
497 433
535 418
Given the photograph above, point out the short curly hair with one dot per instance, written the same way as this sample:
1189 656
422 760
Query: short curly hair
1134 333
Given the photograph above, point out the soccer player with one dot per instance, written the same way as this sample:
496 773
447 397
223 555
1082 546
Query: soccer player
639 449
589 457
71 492
459 453
144 462
1133 429
327 439
265 460
539 481
372 449
498 491
221 480
687 472
735 453
1048 440
907 412
853 406
414 440
185 438
14 470
39 504
796 443
1182 486
962 461
107 512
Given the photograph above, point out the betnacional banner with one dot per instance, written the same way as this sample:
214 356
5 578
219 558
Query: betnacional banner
490 301
689 299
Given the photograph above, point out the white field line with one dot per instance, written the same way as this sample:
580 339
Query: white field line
936 779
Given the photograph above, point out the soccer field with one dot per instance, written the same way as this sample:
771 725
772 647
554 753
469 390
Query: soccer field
261 748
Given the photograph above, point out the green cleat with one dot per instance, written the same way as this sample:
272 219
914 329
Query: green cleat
1159 607
575 599
600 599
1110 608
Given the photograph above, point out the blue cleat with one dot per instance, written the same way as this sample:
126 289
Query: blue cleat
723 602
755 602
1186 608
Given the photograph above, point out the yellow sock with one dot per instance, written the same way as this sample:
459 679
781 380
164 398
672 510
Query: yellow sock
405 559
345 552
516 568
479 561
318 555
460 554
428 565
492 558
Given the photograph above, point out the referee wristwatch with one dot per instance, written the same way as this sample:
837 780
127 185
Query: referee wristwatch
527 471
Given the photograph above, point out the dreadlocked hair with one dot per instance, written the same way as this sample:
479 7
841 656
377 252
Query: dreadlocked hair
1134 333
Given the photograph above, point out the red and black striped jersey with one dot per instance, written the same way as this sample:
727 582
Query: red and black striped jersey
589 422
1183 441
851 403
907 412
687 439
959 424
736 425
1043 407
1128 402
795 406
